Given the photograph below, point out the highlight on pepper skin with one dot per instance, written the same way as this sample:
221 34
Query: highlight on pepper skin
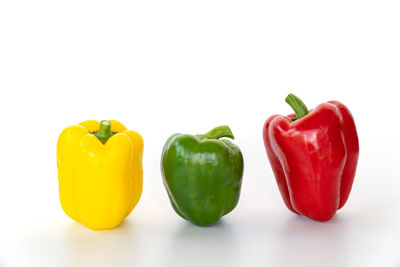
202 175
313 156
100 172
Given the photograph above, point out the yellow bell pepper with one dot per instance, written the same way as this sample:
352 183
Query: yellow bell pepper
100 172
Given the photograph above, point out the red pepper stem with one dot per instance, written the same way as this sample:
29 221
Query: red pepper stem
217 133
297 105
104 132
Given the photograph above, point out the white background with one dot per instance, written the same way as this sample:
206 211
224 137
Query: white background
169 66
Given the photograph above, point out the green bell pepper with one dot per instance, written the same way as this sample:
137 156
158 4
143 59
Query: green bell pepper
202 175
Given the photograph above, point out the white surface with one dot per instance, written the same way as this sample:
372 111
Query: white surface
171 66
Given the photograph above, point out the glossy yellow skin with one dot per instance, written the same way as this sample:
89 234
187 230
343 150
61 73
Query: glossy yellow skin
99 184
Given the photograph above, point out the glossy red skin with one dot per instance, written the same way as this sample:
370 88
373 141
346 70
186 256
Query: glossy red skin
314 159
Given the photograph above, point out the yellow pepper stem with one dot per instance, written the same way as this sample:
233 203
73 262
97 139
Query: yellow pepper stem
104 133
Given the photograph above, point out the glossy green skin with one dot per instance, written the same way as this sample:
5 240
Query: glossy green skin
202 176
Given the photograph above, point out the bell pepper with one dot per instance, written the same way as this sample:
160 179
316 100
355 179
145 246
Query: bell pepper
100 172
313 156
202 175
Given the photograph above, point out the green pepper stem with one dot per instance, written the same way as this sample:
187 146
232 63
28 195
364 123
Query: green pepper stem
104 132
297 105
219 132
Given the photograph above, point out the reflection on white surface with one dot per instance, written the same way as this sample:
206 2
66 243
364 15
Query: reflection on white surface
190 245
84 247
251 239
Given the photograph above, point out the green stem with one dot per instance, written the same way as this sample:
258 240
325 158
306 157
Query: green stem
217 133
297 105
104 133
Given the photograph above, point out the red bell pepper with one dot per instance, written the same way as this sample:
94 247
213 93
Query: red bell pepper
313 156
